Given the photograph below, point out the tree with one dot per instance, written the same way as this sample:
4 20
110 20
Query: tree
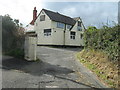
11 39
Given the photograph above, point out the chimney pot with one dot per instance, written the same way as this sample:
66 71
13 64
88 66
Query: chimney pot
34 8
34 14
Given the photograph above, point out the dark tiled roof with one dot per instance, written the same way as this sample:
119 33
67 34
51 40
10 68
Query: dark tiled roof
59 17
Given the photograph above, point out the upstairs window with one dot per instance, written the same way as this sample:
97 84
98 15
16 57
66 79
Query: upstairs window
42 18
79 23
60 25
72 35
79 28
69 26
47 32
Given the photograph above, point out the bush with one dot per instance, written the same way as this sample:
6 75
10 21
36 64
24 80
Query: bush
12 37
105 39
18 53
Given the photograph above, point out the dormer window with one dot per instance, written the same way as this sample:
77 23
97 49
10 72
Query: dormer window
79 28
60 25
79 23
42 18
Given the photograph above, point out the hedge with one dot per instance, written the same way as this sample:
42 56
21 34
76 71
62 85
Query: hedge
105 39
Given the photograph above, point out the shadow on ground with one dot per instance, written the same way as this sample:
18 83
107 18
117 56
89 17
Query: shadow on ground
37 68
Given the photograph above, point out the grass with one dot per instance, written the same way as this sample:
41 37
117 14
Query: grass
98 63
18 53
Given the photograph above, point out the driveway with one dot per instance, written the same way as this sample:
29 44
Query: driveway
57 68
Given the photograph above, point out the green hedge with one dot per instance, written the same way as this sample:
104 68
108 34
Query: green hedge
105 39
12 37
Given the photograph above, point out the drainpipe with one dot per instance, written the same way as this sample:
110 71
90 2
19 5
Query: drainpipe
64 35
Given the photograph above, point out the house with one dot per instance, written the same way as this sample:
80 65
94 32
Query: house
53 28
30 26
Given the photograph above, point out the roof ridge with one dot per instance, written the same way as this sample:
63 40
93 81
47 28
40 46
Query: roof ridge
57 13
55 16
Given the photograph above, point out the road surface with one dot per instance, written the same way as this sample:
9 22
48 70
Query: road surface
57 68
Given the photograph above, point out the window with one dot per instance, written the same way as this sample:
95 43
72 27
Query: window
72 35
47 32
42 18
69 26
81 36
79 28
79 23
60 25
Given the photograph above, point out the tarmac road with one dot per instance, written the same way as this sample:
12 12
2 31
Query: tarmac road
57 68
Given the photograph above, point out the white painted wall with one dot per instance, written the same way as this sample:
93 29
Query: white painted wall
77 41
57 35
39 28
30 48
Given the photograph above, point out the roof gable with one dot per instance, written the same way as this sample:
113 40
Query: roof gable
77 18
59 17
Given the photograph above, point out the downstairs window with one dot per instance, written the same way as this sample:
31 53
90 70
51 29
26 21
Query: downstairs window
72 35
47 32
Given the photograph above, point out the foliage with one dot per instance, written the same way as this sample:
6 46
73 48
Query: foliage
12 35
98 63
18 53
105 39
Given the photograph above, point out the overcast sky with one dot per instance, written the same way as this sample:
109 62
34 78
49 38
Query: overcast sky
92 13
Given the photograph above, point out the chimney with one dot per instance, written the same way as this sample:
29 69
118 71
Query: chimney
34 14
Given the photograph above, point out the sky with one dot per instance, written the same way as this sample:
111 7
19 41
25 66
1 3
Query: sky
95 13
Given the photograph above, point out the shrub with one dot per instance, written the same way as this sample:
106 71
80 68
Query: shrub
12 37
18 53
105 39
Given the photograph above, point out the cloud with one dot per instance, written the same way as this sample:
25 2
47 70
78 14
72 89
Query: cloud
94 13
69 11
20 9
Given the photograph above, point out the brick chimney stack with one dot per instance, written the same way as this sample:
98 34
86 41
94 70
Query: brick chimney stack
34 14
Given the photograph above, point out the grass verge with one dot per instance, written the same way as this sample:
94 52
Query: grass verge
98 62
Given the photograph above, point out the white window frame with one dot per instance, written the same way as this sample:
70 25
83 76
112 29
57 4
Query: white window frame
72 36
47 33
60 25
79 23
79 28
42 19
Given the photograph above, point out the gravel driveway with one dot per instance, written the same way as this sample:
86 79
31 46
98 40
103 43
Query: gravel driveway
57 68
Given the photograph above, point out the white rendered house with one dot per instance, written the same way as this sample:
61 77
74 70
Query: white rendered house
53 28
